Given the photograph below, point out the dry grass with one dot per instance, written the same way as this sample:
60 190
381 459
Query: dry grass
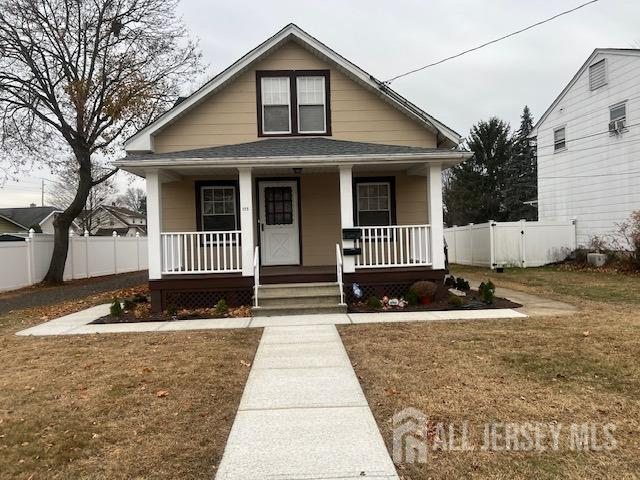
156 405
571 369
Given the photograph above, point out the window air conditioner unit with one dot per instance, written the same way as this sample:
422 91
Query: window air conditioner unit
612 127
620 124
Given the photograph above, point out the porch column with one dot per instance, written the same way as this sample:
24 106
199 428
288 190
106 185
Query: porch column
246 220
154 223
346 214
434 184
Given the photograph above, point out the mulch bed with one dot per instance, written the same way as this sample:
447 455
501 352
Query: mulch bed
130 317
440 303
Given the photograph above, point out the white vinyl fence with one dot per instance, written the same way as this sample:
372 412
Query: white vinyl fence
511 244
24 263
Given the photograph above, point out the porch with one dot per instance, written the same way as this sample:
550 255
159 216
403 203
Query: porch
309 210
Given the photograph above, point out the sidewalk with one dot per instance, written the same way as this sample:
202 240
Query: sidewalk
303 414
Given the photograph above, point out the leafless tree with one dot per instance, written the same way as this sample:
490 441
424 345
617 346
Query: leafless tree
78 76
63 190
134 199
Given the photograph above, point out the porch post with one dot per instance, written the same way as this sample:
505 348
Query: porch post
435 216
346 214
154 223
246 220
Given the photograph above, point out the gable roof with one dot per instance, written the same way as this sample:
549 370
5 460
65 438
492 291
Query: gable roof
142 140
581 70
26 217
122 211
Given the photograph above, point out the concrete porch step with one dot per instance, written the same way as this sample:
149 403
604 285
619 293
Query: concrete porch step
301 310
328 299
297 290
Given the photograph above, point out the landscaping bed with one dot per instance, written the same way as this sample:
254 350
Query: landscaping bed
138 309
425 296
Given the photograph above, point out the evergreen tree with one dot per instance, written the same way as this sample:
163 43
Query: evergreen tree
474 191
521 173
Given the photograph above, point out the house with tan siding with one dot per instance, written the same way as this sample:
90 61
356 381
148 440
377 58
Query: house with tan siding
287 178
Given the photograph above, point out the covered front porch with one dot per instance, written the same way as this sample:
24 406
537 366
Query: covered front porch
225 223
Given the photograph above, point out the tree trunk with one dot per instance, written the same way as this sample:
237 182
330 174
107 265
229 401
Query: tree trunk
63 222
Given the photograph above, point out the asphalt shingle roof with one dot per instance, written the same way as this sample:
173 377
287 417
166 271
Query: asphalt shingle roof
27 216
287 147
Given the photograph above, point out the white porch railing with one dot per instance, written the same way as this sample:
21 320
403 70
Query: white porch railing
201 252
394 246
256 275
339 272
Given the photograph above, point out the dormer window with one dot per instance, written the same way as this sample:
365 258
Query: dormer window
293 102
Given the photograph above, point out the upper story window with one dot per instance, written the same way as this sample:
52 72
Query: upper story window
618 118
276 105
598 74
559 139
293 102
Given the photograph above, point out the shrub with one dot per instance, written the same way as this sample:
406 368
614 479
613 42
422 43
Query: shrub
487 292
172 310
450 281
221 307
412 298
374 302
115 310
456 301
462 285
424 289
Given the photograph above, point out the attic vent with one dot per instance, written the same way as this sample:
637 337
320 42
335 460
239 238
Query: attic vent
597 75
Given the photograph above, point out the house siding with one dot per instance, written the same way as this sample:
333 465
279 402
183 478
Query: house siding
8 227
230 116
601 194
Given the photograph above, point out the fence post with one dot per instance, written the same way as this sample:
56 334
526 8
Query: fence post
574 222
86 253
115 251
70 255
138 249
471 242
523 253
29 241
492 245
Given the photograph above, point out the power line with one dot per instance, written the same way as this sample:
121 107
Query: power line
566 12
631 140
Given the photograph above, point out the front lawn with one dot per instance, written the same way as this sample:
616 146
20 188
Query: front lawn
580 369
156 405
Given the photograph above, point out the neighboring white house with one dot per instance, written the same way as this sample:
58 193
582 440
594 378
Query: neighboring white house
589 146
107 219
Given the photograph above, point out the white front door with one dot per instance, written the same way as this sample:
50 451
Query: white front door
279 233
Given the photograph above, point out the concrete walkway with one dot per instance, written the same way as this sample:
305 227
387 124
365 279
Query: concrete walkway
80 322
303 414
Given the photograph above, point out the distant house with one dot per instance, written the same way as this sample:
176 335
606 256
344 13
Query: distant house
20 220
107 219
589 147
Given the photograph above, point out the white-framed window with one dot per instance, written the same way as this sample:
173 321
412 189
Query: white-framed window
559 139
373 203
312 111
618 117
218 208
598 74
276 105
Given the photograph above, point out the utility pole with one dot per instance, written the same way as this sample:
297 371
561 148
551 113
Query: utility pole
42 194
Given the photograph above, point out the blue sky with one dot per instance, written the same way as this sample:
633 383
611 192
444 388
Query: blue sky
387 38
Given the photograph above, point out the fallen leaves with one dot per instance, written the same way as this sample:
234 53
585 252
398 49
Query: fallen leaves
162 393
245 363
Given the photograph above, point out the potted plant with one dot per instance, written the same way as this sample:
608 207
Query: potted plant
424 290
